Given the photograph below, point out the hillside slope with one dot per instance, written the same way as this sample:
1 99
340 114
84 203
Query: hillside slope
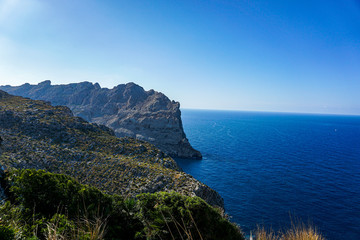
127 108
40 205
35 134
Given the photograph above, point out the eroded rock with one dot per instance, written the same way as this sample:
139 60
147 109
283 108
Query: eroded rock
127 109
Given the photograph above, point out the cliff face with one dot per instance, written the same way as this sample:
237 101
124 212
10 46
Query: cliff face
36 135
127 108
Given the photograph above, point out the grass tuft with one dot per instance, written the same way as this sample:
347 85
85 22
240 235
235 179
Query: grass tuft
298 231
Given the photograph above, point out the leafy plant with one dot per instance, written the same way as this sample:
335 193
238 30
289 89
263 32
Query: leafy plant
6 233
56 206
174 216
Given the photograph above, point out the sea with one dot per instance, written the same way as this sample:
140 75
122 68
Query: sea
277 169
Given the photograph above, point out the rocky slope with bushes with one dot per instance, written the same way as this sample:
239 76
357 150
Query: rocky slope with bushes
127 109
43 205
35 134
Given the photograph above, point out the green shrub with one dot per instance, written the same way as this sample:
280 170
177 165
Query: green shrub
59 225
6 233
47 193
56 200
47 205
174 216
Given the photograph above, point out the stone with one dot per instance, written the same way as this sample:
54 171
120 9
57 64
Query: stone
37 135
127 109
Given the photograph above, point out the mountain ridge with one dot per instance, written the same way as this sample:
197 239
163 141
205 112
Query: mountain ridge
38 135
127 108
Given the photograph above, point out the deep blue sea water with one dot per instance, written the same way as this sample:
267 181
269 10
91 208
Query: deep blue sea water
268 166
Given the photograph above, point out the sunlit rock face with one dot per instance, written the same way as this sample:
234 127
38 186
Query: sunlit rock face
36 135
127 108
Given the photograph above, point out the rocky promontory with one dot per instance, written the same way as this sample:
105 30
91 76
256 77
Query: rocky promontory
127 109
37 135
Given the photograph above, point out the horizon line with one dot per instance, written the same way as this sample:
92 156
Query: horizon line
269 111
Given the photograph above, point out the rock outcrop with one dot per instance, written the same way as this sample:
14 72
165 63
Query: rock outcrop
2 190
127 109
38 135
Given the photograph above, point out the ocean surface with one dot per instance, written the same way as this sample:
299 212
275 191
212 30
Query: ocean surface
274 167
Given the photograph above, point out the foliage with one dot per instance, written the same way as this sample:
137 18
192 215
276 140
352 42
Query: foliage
37 135
46 193
6 232
174 216
44 205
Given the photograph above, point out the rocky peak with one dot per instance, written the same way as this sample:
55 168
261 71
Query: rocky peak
45 83
127 108
38 135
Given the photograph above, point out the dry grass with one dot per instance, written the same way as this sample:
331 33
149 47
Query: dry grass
302 232
85 229
52 232
181 228
262 234
298 231
94 229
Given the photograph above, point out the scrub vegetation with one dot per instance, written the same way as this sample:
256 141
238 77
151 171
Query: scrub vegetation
37 135
64 178
43 205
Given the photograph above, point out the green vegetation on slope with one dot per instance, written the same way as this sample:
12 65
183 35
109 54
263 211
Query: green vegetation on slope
43 205
40 136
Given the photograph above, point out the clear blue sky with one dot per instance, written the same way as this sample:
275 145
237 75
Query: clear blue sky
292 56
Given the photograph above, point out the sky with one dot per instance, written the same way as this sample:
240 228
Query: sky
283 56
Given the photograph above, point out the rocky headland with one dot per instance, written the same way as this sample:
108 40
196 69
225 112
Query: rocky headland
127 109
36 135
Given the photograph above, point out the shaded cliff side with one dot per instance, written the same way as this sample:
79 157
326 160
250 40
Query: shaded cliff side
127 108
35 134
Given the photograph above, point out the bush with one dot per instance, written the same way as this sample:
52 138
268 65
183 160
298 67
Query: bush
48 193
174 216
46 206
44 199
6 233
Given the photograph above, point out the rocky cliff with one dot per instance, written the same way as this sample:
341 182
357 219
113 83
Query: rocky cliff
35 134
127 109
